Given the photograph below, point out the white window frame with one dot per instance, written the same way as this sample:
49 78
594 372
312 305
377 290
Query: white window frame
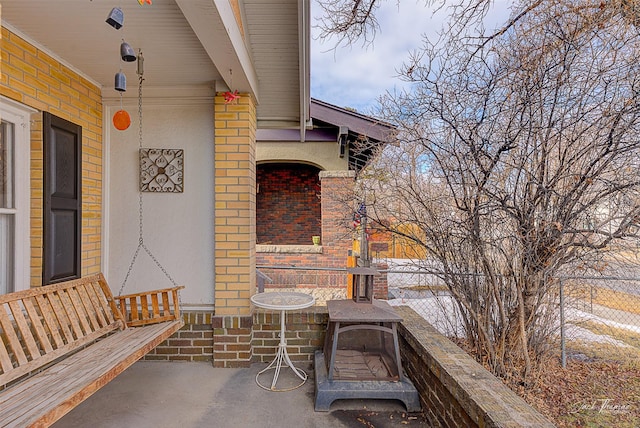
20 115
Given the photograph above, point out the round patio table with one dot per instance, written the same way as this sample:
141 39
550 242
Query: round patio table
282 301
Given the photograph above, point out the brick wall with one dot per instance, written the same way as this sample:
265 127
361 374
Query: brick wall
305 331
232 335
380 283
456 391
287 204
32 77
336 245
336 237
193 342
337 208
242 340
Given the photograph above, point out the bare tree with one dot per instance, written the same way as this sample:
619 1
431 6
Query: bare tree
353 21
349 20
517 157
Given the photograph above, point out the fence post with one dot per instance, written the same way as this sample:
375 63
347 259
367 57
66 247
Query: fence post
563 353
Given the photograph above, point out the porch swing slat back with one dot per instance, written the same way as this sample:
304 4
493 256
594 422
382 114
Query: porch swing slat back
60 343
140 309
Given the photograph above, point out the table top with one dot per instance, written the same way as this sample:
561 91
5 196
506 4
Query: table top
283 300
350 311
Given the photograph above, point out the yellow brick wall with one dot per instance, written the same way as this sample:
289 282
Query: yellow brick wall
32 77
235 205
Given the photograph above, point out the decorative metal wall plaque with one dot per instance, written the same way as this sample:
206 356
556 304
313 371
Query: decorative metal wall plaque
161 170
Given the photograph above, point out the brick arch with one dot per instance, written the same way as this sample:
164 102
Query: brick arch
288 209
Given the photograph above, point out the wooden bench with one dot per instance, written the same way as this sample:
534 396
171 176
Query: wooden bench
62 342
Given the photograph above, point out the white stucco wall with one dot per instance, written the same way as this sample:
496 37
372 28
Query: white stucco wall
178 227
322 154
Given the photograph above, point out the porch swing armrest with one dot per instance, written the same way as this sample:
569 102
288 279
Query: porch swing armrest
150 307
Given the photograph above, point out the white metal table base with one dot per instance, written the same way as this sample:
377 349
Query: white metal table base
281 356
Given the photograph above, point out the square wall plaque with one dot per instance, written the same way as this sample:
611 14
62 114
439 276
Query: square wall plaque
161 170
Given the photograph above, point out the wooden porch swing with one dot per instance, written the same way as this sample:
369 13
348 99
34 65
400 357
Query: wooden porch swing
62 342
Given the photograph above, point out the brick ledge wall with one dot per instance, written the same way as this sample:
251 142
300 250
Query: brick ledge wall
455 390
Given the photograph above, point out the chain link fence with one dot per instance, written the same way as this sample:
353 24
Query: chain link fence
596 316
600 316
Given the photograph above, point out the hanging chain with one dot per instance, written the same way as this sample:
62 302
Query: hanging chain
140 210
140 205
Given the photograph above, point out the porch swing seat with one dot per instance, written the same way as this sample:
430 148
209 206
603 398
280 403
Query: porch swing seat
60 343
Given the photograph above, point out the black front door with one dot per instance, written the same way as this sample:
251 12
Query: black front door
62 199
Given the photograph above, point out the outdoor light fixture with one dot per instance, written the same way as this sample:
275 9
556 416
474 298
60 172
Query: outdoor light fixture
116 18
120 82
140 70
126 52
343 134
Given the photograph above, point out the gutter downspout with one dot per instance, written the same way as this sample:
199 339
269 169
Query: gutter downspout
304 34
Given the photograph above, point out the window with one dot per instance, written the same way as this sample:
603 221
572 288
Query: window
14 196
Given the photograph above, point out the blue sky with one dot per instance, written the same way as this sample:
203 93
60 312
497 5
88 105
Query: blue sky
355 76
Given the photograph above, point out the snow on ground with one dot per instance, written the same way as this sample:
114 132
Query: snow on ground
439 311
574 331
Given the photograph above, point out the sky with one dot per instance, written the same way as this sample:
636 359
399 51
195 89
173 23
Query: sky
355 76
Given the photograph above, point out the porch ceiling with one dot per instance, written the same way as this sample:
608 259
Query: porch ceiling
190 47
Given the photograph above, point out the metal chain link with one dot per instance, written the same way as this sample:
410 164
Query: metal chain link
141 209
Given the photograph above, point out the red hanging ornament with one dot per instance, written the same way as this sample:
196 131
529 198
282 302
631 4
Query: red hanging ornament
231 96
121 120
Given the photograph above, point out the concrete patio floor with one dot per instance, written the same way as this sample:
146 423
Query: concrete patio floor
185 395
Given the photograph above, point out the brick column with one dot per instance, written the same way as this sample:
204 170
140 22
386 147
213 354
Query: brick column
235 204
235 230
337 188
